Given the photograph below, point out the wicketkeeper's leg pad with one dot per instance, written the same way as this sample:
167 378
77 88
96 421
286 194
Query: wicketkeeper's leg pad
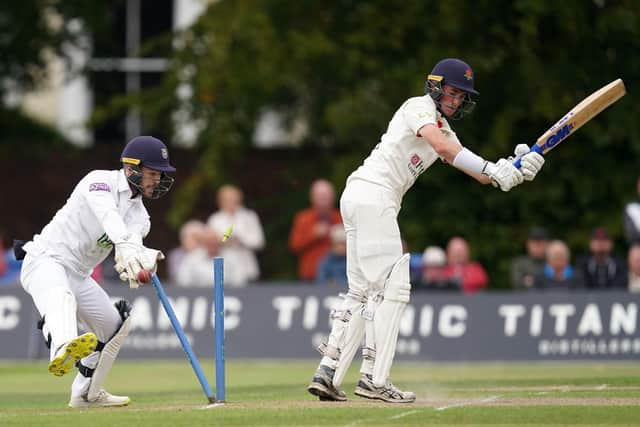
109 352
387 318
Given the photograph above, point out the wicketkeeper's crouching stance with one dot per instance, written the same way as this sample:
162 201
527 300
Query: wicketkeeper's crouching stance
377 270
104 211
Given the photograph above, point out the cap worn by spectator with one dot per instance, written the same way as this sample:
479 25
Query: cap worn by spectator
434 256
538 233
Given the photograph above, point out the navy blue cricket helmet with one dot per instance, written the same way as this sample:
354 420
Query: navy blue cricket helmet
149 152
453 72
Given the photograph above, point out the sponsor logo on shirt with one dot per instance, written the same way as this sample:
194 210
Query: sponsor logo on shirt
104 242
416 166
99 186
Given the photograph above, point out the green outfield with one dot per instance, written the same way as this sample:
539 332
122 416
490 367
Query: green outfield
273 393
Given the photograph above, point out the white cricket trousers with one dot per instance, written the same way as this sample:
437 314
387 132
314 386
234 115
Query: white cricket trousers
41 274
374 245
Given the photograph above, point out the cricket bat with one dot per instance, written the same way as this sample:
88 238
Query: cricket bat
586 110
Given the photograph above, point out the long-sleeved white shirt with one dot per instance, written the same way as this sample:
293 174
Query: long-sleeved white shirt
99 211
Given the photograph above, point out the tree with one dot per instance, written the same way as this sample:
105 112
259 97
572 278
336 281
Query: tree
31 33
344 66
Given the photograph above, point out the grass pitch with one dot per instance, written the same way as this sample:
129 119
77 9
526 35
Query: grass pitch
274 394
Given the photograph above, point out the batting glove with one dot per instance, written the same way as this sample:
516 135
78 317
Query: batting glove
530 161
503 174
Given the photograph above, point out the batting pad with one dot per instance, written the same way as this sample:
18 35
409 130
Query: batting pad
387 319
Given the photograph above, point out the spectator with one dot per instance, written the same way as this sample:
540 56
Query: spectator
558 272
247 237
191 234
9 266
434 270
600 269
309 237
415 263
333 266
196 268
632 218
3 259
469 276
634 268
109 272
524 268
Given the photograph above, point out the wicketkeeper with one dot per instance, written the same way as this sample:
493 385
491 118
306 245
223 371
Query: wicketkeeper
377 270
105 210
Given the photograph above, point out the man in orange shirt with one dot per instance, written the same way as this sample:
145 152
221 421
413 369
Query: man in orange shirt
309 237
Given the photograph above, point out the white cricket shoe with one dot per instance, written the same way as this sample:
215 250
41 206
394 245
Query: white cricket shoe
388 393
103 400
68 354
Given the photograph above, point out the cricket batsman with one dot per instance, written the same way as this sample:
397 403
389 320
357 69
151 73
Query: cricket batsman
378 273
104 211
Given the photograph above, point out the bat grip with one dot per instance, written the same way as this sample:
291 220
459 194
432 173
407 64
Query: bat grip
535 148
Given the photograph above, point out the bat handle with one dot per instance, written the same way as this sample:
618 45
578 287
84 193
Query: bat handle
536 148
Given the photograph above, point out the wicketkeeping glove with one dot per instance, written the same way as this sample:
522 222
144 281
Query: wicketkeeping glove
132 257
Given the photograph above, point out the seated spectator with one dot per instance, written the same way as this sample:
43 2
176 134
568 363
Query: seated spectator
191 234
309 236
633 262
3 260
524 268
600 269
469 276
415 263
9 266
247 237
333 267
632 218
558 272
434 271
108 271
196 268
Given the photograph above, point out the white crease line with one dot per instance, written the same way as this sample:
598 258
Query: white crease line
356 422
394 417
470 402
404 414
212 405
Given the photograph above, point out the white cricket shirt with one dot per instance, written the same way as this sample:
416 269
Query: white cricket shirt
99 211
401 156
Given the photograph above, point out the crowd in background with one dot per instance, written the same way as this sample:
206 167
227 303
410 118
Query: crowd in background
318 239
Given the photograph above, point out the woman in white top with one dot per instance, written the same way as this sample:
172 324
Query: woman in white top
239 251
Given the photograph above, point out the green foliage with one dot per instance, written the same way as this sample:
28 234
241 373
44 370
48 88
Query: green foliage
344 67
32 30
